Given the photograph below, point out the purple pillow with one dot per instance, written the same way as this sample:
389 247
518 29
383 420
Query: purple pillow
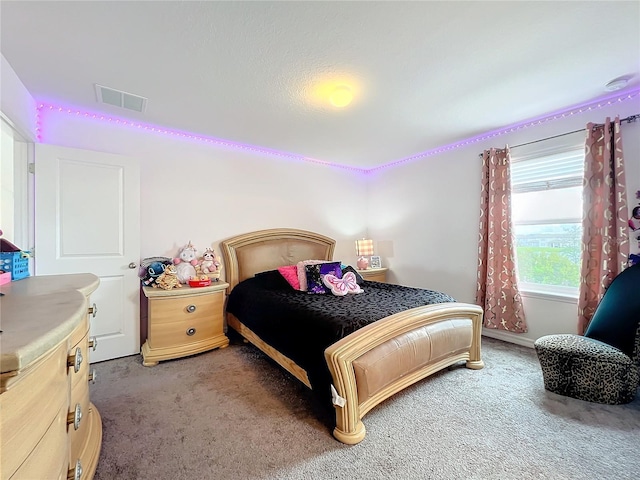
315 274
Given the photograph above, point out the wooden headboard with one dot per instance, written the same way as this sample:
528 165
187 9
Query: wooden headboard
263 250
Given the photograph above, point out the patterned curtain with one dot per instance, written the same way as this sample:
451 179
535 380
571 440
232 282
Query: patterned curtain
497 290
605 240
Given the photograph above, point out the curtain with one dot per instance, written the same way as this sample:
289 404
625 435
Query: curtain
497 289
605 240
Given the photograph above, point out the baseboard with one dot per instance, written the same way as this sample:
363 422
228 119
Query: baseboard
508 337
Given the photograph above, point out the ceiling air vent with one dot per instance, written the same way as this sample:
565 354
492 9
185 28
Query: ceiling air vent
121 99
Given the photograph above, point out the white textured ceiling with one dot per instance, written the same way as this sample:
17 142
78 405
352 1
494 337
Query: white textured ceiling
425 74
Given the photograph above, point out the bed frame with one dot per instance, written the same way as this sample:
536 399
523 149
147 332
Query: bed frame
376 361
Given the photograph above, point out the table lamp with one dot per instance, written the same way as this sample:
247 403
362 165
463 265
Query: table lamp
364 248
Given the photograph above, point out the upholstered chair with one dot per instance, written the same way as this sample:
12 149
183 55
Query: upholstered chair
603 365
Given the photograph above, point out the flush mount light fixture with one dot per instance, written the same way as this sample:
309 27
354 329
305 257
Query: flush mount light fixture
341 96
617 83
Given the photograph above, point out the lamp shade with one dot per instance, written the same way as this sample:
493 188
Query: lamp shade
364 247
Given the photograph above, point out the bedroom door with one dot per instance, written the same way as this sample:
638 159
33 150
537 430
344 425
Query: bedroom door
87 219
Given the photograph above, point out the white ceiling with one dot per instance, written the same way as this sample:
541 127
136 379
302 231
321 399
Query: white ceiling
424 74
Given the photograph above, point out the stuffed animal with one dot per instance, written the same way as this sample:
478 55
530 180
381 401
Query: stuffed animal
185 263
209 265
151 268
168 279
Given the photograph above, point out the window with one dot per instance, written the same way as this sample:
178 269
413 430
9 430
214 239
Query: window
547 218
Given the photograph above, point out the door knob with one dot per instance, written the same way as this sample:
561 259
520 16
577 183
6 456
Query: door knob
132 265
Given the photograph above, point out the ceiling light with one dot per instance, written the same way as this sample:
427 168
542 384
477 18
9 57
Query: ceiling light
341 97
617 83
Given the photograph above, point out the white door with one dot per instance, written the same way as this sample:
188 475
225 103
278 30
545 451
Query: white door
87 213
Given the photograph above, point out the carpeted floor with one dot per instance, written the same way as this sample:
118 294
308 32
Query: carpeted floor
233 414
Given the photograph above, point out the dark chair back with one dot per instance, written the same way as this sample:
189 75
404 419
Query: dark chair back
616 320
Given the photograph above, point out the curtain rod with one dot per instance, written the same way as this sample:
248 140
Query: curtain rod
629 119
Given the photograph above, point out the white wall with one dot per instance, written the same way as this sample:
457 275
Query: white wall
15 101
200 193
424 217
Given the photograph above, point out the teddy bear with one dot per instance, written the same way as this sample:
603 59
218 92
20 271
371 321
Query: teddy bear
209 265
168 279
186 262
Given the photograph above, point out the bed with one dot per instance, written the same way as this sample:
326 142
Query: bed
367 365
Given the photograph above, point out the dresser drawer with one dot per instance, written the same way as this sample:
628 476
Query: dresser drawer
28 408
81 331
49 458
81 376
77 438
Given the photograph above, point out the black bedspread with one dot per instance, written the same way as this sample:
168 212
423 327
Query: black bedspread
302 325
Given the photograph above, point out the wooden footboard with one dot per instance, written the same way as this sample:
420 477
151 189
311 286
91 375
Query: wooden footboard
379 360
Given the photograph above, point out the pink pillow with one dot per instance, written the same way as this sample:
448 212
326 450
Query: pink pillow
342 286
302 273
290 274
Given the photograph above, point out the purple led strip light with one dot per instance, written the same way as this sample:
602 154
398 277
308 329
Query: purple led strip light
594 105
42 107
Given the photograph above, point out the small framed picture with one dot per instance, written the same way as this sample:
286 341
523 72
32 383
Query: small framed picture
375 262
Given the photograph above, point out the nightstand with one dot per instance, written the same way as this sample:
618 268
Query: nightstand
183 321
374 274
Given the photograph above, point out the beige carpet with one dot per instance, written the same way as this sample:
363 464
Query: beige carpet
233 414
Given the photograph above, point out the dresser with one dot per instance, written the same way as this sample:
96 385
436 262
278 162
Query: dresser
48 427
183 321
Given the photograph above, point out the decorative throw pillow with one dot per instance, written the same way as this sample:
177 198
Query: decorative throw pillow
302 273
290 273
316 272
342 286
349 268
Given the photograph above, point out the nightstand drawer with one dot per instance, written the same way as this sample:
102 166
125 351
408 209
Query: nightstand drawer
184 309
191 330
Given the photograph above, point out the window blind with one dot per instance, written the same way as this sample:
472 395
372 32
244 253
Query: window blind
561 170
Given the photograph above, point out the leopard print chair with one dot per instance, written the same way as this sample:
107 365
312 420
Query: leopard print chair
602 366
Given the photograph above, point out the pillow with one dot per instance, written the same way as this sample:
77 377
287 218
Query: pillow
271 280
302 273
349 268
342 286
316 272
290 273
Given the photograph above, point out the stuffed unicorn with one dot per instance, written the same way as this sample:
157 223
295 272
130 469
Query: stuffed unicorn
186 262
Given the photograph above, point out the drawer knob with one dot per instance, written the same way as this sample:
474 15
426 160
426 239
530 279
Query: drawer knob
75 417
191 308
93 343
75 473
191 331
93 310
92 375
75 360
